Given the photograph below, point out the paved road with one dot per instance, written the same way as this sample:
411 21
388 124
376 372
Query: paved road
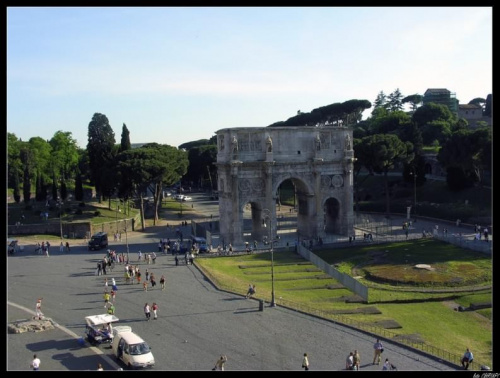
196 321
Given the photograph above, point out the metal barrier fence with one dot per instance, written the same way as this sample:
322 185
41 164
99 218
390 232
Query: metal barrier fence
469 243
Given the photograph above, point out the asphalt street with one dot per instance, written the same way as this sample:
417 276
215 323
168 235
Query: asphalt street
197 322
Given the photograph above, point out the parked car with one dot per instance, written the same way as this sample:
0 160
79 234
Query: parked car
98 241
131 349
178 197
186 198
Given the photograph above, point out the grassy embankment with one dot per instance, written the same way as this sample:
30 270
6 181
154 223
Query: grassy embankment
424 309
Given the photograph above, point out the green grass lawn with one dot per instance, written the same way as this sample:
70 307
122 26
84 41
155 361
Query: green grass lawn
94 212
432 318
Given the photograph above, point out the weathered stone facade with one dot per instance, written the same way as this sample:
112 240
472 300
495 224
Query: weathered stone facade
252 163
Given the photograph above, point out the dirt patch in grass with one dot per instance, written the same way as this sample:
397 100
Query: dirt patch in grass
388 324
370 310
330 287
413 337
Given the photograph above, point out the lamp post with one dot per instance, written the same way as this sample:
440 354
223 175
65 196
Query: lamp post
117 211
59 204
126 239
414 173
267 214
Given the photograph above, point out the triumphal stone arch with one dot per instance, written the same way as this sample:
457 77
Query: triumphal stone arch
252 163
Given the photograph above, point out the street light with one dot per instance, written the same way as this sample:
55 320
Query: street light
414 174
126 239
59 204
117 211
267 214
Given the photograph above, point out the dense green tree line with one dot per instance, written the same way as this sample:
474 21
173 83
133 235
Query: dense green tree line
113 169
390 137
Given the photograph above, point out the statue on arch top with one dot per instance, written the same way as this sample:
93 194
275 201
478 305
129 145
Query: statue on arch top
317 142
269 143
347 142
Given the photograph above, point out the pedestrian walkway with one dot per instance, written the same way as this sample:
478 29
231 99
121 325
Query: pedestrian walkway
195 318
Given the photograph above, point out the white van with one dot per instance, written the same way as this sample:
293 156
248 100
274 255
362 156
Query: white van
132 350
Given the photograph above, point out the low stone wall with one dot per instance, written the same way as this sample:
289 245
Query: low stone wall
71 230
77 230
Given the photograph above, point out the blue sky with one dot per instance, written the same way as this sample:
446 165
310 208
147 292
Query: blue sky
175 74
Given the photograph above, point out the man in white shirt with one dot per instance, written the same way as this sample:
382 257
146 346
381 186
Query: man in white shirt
35 364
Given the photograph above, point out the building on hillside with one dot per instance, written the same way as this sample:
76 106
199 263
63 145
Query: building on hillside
441 96
473 114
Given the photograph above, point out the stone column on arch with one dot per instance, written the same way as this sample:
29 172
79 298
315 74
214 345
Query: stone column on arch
237 209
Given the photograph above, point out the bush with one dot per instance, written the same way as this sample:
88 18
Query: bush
28 207
97 213
79 211
82 204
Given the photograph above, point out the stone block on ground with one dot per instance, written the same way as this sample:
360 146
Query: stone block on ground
30 325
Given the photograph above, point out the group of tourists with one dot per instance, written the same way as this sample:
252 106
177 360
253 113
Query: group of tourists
42 249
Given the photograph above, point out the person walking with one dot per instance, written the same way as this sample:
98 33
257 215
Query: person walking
162 282
155 311
111 308
219 364
305 362
106 297
356 359
349 362
67 247
147 311
38 309
35 364
139 256
176 260
106 284
467 359
378 348
104 263
61 247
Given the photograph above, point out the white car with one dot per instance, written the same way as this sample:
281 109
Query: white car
186 198
132 350
179 197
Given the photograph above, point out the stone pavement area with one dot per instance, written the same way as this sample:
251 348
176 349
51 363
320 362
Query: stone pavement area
196 321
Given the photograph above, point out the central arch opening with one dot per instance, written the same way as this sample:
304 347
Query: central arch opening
294 202
331 210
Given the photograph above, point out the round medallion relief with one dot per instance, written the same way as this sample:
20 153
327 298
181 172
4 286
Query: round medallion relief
337 181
